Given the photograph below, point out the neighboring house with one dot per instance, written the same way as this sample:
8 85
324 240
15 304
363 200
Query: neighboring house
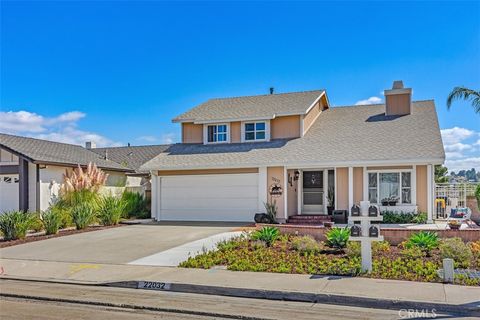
238 153
31 170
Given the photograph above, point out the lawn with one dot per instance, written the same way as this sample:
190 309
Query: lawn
304 255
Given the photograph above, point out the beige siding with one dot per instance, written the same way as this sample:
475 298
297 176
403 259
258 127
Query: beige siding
342 188
292 194
422 198
275 175
235 132
285 127
192 133
206 171
398 104
357 185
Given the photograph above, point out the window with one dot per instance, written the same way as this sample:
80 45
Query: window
255 131
217 133
385 185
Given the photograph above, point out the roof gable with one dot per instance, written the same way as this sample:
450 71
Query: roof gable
251 107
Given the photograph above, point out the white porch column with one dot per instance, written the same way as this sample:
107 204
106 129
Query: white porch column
430 187
365 184
350 187
335 186
262 188
285 193
300 192
325 190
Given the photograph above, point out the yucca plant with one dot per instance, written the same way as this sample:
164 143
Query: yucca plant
267 235
424 240
135 204
271 211
111 210
15 224
52 220
338 237
83 215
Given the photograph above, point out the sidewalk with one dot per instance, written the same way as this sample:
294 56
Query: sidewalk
328 289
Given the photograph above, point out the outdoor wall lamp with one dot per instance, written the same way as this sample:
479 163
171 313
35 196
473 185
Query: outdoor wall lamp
297 175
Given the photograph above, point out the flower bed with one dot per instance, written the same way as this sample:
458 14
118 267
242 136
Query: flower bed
304 255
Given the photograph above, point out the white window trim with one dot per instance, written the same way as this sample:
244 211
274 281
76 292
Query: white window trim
267 131
413 187
205 133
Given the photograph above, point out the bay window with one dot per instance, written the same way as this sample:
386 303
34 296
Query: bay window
384 186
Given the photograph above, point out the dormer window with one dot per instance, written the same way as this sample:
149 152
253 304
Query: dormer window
217 133
255 131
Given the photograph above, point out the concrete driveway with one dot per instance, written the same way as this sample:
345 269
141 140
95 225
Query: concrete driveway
118 245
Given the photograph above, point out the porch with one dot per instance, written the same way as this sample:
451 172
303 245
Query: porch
313 193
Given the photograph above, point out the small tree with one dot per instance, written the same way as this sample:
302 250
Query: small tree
441 174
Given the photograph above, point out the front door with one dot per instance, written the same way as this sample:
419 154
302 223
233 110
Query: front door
312 197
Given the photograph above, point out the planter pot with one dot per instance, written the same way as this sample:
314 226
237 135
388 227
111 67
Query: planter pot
330 210
384 203
261 218
392 203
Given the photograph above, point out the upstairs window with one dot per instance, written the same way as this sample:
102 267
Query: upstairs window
217 133
255 131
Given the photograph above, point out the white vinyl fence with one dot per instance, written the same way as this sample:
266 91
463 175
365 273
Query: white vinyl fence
448 196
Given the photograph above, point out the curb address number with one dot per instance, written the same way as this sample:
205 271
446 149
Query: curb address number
152 285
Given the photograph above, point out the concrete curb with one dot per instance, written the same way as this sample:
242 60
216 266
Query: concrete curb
324 298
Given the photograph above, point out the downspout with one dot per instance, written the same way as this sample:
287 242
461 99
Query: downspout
37 188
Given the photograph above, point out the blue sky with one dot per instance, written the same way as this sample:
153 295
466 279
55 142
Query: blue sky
118 72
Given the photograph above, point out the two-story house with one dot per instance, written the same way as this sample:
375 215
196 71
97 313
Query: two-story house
296 150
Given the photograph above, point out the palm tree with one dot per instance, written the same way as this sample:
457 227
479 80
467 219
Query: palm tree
465 94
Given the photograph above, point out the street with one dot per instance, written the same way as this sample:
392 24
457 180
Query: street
41 300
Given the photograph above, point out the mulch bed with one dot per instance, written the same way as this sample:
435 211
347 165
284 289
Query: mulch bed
61 233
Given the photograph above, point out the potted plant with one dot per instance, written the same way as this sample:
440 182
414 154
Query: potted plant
454 224
330 200
390 201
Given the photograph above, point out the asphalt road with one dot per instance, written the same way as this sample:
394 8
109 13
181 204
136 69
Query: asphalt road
39 300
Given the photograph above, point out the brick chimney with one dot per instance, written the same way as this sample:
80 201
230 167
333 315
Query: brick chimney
90 145
398 100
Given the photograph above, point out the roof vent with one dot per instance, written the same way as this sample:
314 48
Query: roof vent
90 145
272 89
105 157
398 100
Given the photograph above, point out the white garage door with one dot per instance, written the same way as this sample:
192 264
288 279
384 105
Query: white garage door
222 197
8 192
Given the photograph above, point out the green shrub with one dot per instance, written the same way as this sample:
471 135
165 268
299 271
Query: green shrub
15 224
420 218
380 247
110 210
338 237
135 205
305 244
425 240
266 234
404 217
456 249
353 249
83 215
52 220
71 199
477 195
37 224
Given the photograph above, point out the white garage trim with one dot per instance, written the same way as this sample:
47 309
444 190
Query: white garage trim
213 197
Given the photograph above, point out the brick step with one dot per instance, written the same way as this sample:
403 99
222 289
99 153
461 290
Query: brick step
322 218
306 223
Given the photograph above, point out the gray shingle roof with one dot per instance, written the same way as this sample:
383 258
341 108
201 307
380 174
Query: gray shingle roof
43 151
132 156
359 134
251 107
